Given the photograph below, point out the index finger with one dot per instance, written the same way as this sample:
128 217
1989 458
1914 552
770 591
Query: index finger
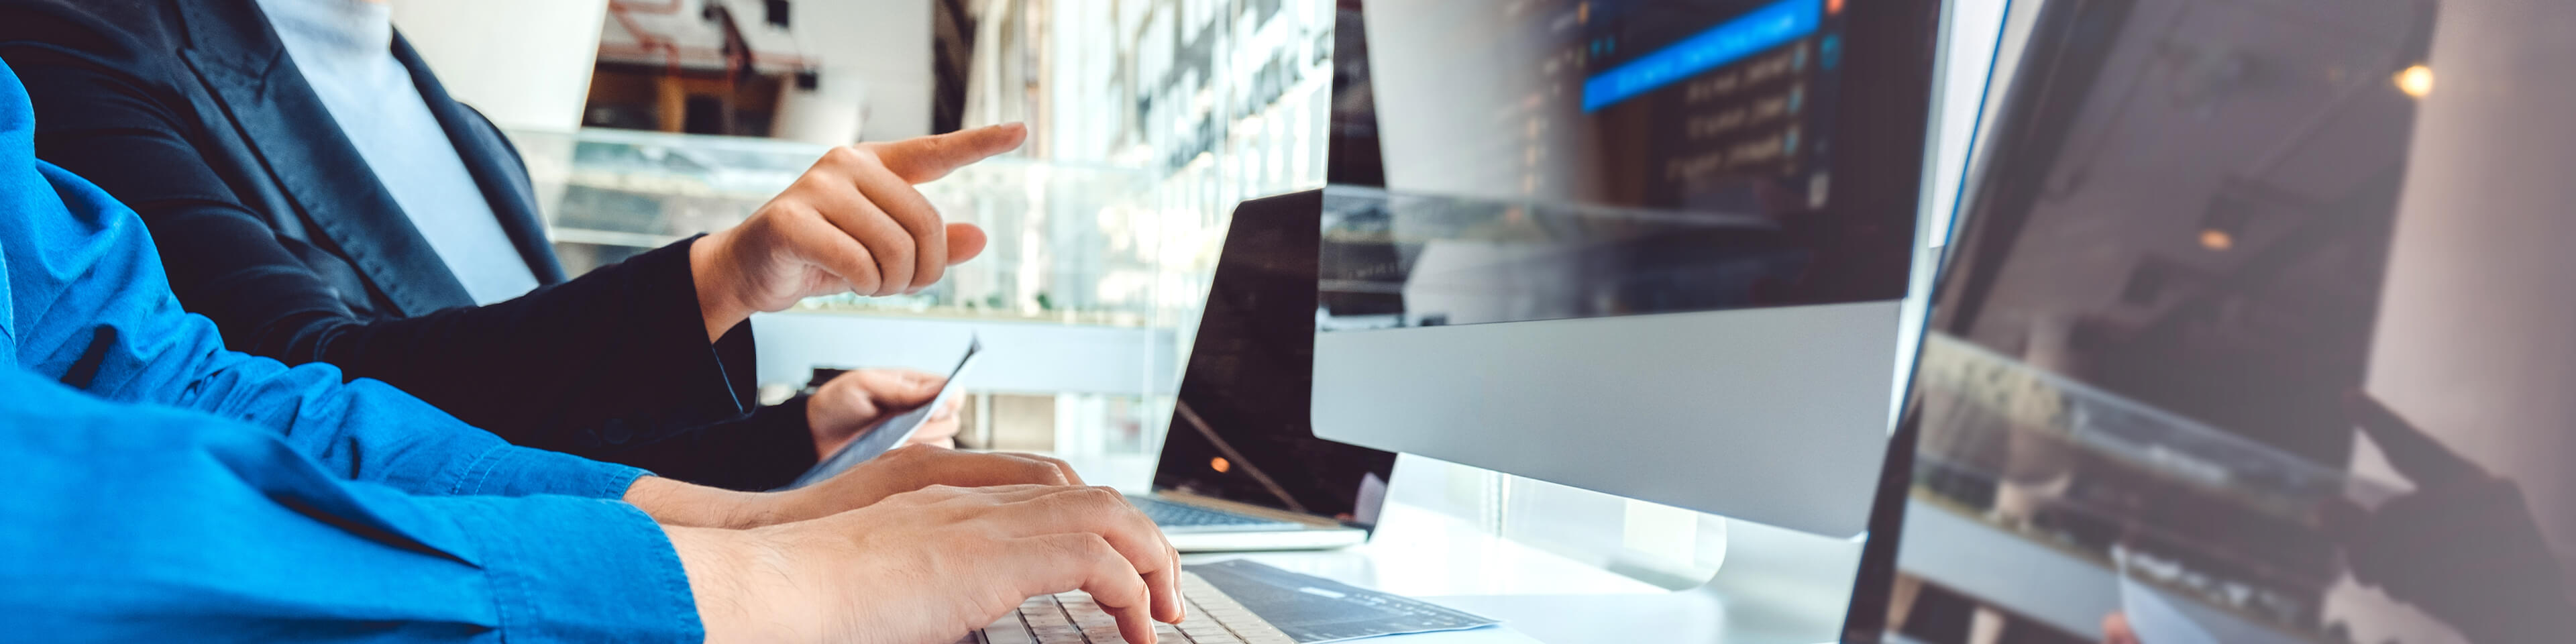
904 208
1072 561
1105 512
927 158
2417 456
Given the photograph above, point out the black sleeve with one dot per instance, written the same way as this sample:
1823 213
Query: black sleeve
617 357
758 451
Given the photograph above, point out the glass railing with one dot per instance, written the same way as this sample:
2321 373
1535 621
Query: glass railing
1071 244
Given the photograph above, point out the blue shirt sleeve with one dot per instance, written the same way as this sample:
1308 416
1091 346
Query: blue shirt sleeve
87 305
141 523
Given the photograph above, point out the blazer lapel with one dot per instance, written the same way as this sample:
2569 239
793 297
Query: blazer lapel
493 162
292 133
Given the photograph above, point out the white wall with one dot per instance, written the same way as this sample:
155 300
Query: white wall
524 63
884 44
2477 328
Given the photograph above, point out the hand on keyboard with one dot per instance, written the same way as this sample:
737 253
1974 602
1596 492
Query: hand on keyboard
1214 618
905 469
924 566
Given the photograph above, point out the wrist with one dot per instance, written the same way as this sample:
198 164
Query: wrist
818 426
675 503
710 274
742 584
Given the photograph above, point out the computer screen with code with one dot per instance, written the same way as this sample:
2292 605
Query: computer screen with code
1555 159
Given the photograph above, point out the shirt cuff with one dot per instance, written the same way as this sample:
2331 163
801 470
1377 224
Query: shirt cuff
579 570
519 471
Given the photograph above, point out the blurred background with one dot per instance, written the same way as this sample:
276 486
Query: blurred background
646 121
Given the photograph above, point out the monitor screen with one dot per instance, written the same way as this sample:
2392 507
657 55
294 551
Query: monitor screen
1557 159
2256 329
1239 430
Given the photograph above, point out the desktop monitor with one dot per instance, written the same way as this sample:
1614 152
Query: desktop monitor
2257 330
1653 248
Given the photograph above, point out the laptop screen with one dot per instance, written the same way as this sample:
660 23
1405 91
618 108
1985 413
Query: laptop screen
1239 431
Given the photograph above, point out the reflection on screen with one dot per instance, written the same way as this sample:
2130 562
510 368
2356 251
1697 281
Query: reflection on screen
2237 309
1642 157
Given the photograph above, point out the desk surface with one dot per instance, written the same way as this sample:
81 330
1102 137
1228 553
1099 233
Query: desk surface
1539 595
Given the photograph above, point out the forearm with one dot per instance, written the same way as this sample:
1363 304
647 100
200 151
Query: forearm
615 357
366 431
361 430
230 529
673 503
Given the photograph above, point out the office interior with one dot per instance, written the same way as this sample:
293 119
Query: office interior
2376 234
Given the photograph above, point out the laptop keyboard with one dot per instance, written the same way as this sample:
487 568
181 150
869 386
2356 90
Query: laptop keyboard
1072 618
1314 609
1166 513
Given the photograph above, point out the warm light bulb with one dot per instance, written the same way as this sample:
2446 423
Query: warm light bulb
1219 465
2415 81
2214 239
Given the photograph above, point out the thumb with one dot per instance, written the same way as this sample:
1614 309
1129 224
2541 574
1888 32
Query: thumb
904 389
965 241
2414 454
843 405
923 159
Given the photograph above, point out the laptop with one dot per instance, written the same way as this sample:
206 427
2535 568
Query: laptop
1241 468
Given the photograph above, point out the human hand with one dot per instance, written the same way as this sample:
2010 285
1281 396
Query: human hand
851 223
2115 630
941 428
905 469
858 402
2463 546
929 565
900 470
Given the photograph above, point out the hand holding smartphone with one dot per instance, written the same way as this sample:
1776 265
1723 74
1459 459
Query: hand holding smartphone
894 431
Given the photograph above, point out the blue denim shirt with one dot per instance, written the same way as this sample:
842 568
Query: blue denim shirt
196 493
